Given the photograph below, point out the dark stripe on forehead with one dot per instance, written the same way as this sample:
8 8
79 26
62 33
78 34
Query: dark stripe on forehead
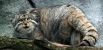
23 16
27 15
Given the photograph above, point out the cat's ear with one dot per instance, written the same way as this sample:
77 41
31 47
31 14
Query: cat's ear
31 10
12 19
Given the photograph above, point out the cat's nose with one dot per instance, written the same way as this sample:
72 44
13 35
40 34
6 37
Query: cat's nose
25 23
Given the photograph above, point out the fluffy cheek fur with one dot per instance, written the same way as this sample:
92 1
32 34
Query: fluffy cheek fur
20 27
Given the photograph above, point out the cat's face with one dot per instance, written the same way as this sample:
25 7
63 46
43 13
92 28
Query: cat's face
24 23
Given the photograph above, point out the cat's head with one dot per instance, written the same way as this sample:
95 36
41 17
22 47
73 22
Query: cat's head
25 22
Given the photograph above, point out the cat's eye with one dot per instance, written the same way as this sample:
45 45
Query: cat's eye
28 18
20 20
34 12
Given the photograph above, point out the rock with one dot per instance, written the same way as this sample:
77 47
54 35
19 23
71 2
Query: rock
7 43
7 9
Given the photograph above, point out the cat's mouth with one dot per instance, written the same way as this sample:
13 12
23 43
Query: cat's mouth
26 27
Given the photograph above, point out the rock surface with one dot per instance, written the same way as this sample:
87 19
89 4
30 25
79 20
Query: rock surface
7 43
7 9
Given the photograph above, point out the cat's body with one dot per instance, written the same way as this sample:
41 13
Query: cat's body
64 24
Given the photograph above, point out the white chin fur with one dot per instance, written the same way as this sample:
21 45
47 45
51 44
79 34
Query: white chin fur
23 30
26 30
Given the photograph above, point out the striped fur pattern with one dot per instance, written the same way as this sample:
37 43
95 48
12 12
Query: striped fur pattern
64 24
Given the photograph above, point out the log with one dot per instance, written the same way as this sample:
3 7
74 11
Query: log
26 44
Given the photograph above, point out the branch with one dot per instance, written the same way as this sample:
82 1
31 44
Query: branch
25 44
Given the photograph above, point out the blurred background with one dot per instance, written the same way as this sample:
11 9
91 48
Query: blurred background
93 9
